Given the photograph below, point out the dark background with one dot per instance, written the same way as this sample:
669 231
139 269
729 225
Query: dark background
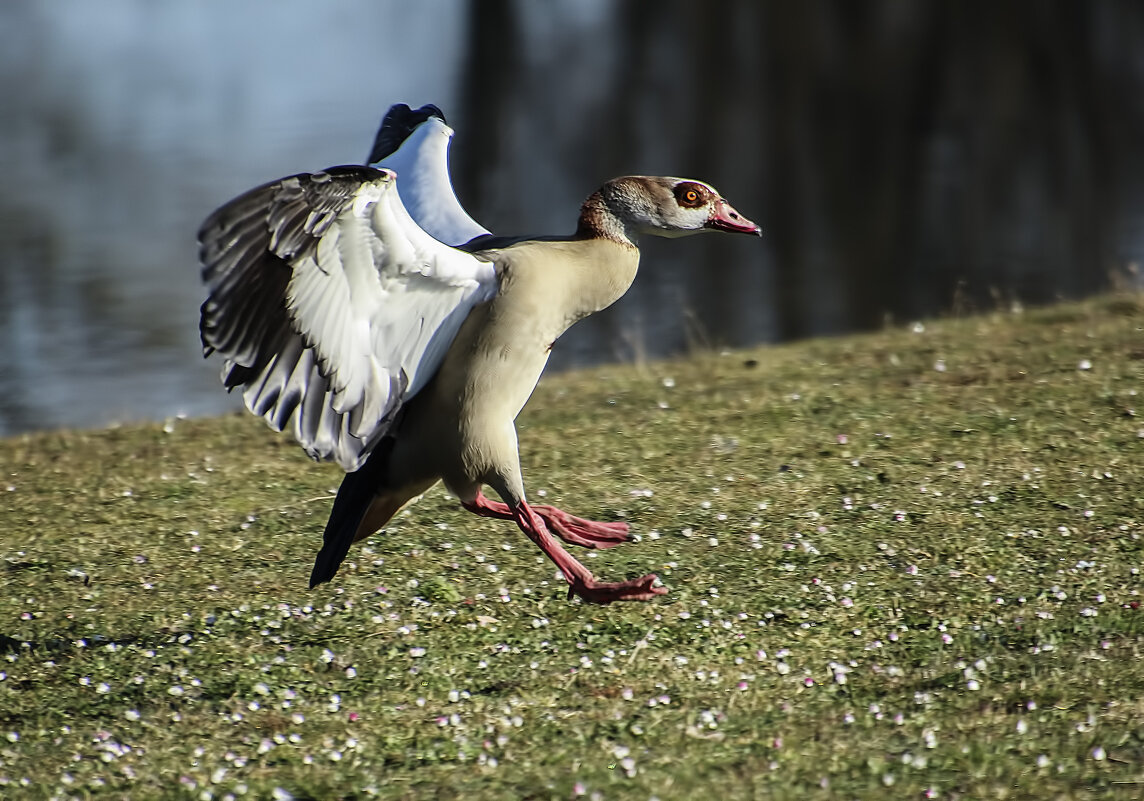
905 159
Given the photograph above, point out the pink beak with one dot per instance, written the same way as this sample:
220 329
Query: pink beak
726 218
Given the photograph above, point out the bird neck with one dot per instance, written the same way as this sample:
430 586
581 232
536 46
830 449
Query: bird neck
599 221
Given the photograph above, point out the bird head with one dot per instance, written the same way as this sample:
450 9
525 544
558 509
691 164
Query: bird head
672 207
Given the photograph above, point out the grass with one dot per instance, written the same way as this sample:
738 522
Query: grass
902 565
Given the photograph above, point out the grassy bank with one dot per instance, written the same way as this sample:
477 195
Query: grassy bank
902 565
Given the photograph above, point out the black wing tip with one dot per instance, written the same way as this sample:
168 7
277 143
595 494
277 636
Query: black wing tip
400 121
327 562
321 574
400 114
433 110
338 538
355 495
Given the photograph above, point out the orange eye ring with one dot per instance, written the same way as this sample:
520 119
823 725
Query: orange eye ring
690 195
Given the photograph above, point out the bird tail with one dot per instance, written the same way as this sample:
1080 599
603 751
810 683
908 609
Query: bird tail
354 505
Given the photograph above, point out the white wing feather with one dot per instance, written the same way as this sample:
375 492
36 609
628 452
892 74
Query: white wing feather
368 308
422 163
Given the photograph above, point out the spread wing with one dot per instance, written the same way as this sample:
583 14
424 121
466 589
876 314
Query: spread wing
415 144
330 306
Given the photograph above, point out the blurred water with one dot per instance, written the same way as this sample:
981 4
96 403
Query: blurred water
125 122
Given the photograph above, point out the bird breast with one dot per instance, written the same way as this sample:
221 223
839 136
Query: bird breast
545 287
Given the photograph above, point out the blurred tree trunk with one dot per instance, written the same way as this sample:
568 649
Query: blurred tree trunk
721 146
918 152
787 33
490 79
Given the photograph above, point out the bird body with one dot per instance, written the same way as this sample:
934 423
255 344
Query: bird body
407 360
501 350
460 428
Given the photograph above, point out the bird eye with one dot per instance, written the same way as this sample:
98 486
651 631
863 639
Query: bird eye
690 195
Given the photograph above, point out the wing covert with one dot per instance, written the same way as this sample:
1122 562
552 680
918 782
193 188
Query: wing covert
426 188
330 306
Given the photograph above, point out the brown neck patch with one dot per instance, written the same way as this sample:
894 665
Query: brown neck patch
597 221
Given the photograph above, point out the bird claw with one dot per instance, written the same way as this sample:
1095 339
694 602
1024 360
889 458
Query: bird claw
605 592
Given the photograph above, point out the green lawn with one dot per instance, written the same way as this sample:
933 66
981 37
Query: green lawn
902 565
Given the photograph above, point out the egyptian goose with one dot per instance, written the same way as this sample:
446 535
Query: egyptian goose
406 360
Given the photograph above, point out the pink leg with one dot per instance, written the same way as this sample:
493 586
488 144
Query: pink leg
579 578
571 529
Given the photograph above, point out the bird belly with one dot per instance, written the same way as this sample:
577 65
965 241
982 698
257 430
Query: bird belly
495 394
460 428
